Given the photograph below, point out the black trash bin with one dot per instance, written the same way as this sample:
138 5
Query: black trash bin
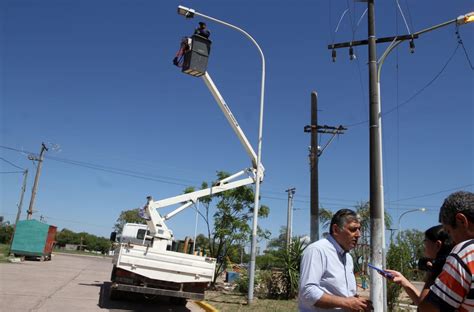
195 60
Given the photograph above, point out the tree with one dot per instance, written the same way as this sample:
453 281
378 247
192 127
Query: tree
66 236
325 217
6 232
231 218
89 241
410 250
404 257
274 255
278 242
128 216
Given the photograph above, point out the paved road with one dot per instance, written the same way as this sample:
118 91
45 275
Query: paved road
69 283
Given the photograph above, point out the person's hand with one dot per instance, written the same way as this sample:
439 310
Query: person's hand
398 278
358 304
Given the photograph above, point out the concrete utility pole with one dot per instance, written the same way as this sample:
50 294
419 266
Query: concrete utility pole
289 221
377 225
35 185
20 205
377 229
314 152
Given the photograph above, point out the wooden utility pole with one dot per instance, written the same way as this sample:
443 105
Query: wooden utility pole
314 152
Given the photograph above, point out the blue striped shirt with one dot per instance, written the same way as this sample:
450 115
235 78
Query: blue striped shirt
325 268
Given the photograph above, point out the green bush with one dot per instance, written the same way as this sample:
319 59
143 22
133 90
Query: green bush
394 258
243 282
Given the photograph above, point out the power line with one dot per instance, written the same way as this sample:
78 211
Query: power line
68 221
109 169
458 34
435 193
416 93
427 85
9 162
349 203
118 171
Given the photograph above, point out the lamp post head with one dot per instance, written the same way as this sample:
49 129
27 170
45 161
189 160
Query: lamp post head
466 18
186 12
422 209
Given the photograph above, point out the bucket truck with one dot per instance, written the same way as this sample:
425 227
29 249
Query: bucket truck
148 265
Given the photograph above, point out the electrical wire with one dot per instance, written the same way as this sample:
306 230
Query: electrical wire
435 193
9 162
67 221
415 94
458 34
118 171
124 172
426 86
410 20
403 16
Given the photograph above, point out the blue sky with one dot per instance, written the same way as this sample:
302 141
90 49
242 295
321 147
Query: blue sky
96 78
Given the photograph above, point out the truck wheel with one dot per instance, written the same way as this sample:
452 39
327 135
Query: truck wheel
178 301
42 258
114 294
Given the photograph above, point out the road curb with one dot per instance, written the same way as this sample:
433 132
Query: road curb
206 306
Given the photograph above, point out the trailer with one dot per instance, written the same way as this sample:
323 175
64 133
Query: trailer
33 239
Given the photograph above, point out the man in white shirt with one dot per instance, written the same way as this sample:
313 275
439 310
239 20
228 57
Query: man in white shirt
327 281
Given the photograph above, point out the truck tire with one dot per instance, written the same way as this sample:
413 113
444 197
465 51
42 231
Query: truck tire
114 294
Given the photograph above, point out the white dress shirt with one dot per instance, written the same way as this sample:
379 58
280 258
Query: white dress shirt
325 269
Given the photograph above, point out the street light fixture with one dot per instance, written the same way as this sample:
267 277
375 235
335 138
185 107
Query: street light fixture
186 12
400 230
190 13
466 18
400 218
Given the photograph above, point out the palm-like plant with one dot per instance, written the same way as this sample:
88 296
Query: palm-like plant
291 275
325 217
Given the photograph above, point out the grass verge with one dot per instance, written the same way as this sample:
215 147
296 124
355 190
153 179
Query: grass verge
233 302
4 252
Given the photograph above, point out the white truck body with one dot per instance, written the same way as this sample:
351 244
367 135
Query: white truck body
165 265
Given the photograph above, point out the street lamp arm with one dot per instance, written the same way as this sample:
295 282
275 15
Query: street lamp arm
436 26
236 28
412 210
262 88
460 20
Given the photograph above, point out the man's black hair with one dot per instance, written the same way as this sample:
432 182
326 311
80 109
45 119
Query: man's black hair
458 202
341 217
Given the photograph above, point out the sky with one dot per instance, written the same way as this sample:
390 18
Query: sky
94 81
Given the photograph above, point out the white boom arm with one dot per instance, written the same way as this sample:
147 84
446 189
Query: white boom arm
156 221
230 118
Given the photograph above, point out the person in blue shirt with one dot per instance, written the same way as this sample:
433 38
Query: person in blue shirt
327 281
202 30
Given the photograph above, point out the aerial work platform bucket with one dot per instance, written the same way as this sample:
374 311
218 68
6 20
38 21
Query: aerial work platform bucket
195 60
